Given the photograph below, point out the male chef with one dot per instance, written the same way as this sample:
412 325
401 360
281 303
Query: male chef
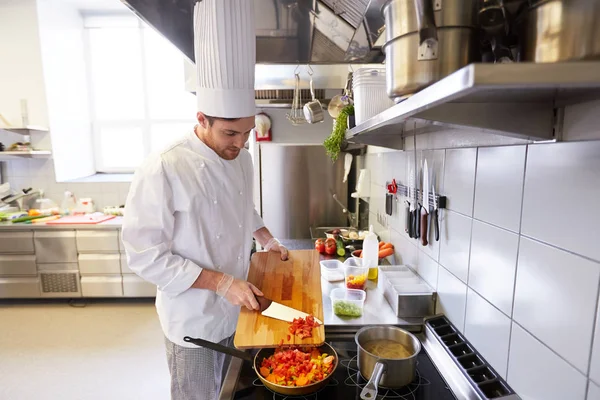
190 216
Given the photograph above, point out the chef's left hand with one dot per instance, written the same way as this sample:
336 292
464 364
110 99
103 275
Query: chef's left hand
276 246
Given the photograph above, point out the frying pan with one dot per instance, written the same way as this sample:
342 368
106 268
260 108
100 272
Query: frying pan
265 353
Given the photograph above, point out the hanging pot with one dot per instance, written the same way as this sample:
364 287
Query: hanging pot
313 110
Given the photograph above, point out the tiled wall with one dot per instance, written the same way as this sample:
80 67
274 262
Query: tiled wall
517 267
39 174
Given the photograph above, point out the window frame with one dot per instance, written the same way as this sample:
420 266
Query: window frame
146 123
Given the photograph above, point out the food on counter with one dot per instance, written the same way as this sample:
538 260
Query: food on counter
341 251
385 253
346 308
302 327
385 348
330 246
320 246
353 235
357 281
293 367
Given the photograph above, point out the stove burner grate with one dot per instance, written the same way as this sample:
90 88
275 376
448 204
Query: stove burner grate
405 393
313 396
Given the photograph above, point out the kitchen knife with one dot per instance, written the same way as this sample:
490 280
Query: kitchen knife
425 209
411 204
272 309
434 212
417 212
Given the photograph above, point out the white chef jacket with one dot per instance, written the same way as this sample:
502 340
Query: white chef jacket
189 209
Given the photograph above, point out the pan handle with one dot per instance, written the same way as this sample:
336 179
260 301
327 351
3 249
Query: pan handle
369 392
220 348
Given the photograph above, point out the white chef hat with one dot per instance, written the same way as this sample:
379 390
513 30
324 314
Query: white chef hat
225 51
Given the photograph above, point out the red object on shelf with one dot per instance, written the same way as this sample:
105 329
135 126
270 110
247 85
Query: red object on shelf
81 219
262 131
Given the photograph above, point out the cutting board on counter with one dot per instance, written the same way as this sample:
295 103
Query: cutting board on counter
294 283
81 219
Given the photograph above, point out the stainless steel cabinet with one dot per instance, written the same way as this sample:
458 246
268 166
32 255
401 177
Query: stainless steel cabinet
59 280
99 264
55 247
18 264
102 286
19 287
16 242
97 241
134 286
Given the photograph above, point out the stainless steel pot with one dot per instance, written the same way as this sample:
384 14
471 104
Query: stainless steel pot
426 42
561 30
388 373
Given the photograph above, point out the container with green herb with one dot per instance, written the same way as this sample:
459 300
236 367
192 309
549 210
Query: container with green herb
333 144
348 302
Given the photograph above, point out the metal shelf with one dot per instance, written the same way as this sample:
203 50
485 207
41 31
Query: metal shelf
13 155
518 100
26 131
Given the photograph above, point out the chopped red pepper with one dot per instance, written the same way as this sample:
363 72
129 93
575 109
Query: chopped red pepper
302 327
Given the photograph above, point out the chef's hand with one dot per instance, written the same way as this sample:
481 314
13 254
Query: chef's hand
239 292
275 245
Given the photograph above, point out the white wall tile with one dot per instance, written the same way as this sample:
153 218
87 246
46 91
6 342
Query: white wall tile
459 179
374 163
428 269
559 177
455 240
536 373
405 250
452 297
488 330
555 292
595 361
582 121
593 392
493 264
499 186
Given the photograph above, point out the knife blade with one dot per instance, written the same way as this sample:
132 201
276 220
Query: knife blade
411 204
272 309
425 209
434 212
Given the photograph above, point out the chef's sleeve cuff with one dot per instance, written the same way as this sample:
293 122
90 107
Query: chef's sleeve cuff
184 279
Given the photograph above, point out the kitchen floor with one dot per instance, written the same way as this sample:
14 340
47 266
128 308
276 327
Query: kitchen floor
105 350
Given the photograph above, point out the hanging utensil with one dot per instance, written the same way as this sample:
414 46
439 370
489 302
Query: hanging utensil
339 101
434 213
425 209
313 110
295 116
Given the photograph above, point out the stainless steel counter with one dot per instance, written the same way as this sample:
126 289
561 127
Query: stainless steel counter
114 223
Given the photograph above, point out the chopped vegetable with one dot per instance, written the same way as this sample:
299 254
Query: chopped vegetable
346 308
293 367
302 327
356 282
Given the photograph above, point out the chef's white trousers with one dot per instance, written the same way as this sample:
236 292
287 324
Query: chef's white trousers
196 373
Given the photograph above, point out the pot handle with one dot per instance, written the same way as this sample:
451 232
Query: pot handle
220 348
369 392
428 38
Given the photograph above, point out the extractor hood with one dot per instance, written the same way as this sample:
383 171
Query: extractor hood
287 31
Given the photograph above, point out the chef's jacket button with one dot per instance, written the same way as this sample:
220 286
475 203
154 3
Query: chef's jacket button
214 201
240 225
241 192
239 257
202 165
218 236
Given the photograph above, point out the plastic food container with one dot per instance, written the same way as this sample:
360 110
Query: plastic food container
332 270
348 302
353 262
356 277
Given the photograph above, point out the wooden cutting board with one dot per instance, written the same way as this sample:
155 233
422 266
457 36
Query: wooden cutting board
294 283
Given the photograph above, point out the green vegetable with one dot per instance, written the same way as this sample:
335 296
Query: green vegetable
343 307
333 143
341 251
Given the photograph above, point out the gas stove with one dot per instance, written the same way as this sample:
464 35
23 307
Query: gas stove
448 368
347 382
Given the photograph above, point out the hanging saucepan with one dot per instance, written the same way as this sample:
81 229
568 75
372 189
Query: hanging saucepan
389 373
313 110
266 353
427 40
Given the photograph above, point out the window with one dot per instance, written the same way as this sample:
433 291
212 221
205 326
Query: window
137 88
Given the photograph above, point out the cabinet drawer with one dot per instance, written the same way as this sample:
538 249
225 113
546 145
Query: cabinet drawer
101 286
99 264
125 266
134 286
16 242
55 246
97 241
121 244
60 284
18 264
11 288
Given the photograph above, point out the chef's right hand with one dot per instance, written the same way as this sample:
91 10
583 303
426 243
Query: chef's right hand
239 292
